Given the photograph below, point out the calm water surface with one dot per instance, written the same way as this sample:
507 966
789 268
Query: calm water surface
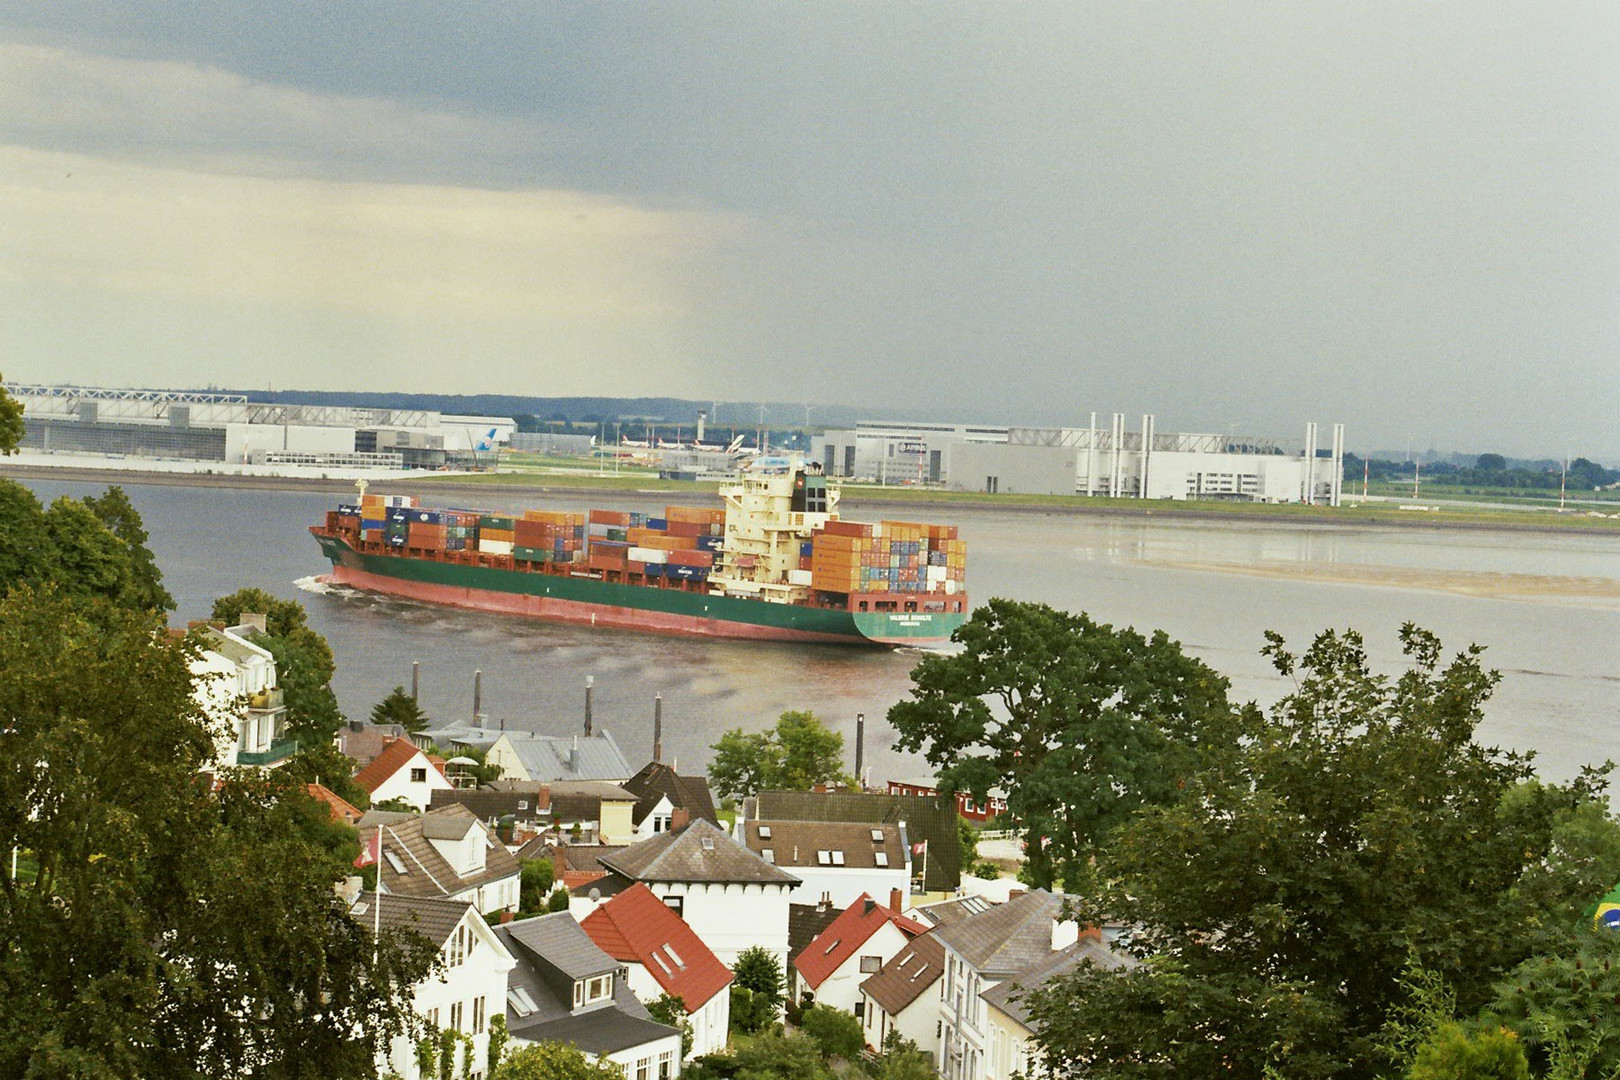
1547 606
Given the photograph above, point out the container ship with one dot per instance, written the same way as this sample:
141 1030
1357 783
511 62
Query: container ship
773 562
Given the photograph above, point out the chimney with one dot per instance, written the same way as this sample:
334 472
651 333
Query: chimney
507 916
253 619
478 694
896 899
589 681
658 727
860 746
573 756
416 678
679 818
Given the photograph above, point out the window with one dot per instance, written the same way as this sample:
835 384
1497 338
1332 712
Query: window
433 1017
517 997
764 832
644 1069
677 904
877 836
393 861
880 858
594 989
455 1017
860 1006
838 858
768 854
824 858
478 1016
523 804
418 776
870 964
675 956
666 1065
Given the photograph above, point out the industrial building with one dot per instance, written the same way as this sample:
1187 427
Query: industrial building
1093 460
230 429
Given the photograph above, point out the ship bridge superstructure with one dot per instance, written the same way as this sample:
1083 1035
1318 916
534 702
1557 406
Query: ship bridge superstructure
770 515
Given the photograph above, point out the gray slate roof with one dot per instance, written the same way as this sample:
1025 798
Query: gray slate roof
947 912
805 924
552 952
699 852
1009 937
657 780
1010 996
927 818
908 973
432 917
798 843
547 757
427 873
492 804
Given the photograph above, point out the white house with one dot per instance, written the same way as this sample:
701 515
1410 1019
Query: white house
464 996
234 681
982 951
857 944
664 796
835 860
566 989
446 853
402 771
661 956
730 897
904 996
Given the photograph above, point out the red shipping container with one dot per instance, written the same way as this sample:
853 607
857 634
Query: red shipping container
691 558
847 528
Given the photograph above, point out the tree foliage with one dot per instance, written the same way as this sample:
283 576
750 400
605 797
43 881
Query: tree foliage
837 1033
758 970
903 1060
795 755
91 547
1359 827
554 1061
775 1056
1455 1053
670 1009
402 709
535 877
168 929
1081 724
11 422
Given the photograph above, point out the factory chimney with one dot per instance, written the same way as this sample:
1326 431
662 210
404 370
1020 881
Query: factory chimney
478 694
702 418
658 727
860 746
589 681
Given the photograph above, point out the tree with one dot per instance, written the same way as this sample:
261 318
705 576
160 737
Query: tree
402 709
836 1033
554 1061
774 1056
534 884
1454 1053
1357 829
758 970
1567 998
795 755
903 1060
169 929
11 422
1081 724
144 589
670 1009
559 900
89 547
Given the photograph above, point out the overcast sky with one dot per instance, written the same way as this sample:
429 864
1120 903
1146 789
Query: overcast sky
1238 216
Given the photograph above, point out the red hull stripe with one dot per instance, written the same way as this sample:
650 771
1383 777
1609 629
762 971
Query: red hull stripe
574 611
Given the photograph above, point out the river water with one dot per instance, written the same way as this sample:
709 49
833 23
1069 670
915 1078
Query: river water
1546 605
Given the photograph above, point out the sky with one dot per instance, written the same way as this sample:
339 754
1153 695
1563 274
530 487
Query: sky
1238 216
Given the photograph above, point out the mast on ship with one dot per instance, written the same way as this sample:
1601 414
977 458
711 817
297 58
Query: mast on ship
778 505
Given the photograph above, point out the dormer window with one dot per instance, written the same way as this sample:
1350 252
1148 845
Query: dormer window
881 858
764 832
877 836
590 991
768 854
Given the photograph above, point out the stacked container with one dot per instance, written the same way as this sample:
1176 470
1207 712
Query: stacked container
889 557
496 534
549 536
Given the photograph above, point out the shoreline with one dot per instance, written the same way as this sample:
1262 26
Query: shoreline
1378 517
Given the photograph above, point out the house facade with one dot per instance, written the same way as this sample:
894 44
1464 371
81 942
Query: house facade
662 795
856 945
662 955
234 680
904 996
464 996
402 771
1012 1050
446 854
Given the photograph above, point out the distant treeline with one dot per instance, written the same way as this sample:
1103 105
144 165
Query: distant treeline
1489 470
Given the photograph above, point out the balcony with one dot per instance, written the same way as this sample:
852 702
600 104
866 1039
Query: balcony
277 753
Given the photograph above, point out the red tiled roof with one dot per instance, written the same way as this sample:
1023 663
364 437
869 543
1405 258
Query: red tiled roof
846 934
636 926
386 764
342 809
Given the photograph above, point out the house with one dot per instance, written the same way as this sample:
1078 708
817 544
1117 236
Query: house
340 808
954 910
805 924
904 995
839 860
930 824
982 951
361 741
565 989
527 755
465 995
966 808
595 807
730 897
446 853
402 771
856 944
662 955
661 792
526 802
234 680
1012 1051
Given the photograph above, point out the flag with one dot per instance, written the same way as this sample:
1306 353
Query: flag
919 847
370 850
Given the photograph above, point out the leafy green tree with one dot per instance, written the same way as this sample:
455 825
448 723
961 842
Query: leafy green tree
170 929
1490 463
402 709
11 422
757 969
559 900
498 1038
1359 827
144 588
670 1009
1568 997
795 755
554 1061
774 1056
1081 724
1454 1053
837 1033
903 1060
535 877
751 1012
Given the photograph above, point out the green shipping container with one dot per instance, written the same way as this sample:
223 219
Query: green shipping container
492 521
529 554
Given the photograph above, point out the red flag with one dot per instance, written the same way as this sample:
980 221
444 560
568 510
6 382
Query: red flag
370 850
919 847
